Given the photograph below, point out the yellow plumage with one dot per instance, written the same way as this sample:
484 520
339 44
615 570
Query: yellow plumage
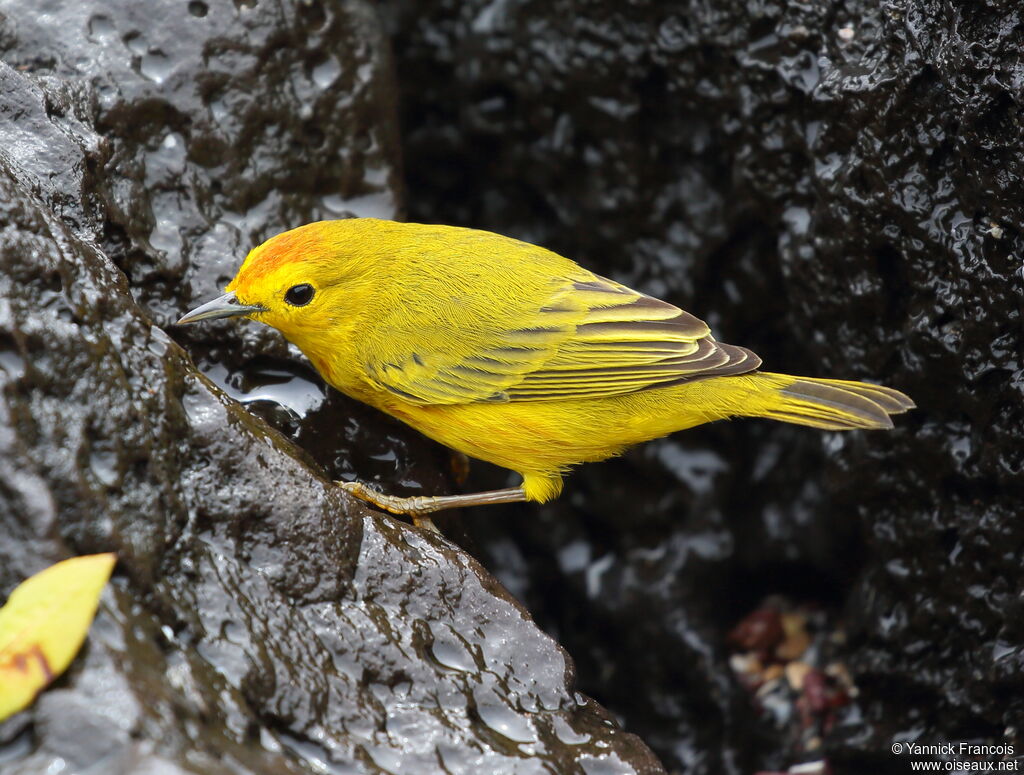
513 354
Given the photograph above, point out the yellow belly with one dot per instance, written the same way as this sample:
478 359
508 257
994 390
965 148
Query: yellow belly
541 440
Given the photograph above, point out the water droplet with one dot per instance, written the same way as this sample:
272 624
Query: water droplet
605 765
450 651
316 757
101 28
388 759
103 464
218 109
233 631
567 734
1002 650
158 341
165 237
12 364
326 73
503 719
797 219
201 408
156 66
136 43
673 35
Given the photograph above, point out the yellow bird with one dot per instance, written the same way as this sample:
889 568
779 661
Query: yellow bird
511 353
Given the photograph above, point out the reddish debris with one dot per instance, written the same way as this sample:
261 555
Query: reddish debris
759 631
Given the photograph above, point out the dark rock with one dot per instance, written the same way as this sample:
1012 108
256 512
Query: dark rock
837 187
258 621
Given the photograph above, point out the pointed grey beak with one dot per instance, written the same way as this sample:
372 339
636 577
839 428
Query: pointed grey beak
227 306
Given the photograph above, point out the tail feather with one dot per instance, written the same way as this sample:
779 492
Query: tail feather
830 404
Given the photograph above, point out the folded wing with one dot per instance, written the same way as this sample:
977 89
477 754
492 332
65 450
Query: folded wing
591 338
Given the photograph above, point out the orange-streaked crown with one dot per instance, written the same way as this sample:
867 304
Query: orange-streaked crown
323 253
285 248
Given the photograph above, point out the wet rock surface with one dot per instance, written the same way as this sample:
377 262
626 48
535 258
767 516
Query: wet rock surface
258 622
837 187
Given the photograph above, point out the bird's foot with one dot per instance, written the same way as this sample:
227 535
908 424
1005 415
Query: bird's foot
417 507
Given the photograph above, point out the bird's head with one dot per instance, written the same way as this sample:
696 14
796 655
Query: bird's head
301 282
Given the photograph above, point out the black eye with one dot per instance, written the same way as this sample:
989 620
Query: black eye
299 295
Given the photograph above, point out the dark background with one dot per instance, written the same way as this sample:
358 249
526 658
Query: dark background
845 205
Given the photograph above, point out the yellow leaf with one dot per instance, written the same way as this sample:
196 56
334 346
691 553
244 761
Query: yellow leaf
44 623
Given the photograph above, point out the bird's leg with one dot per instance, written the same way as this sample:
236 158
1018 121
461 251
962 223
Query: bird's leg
419 506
